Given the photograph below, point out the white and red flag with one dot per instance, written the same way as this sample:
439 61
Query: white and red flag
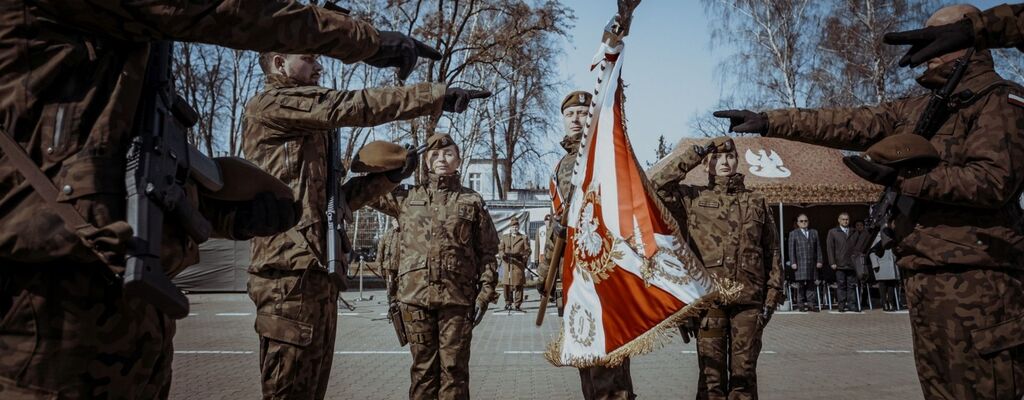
629 276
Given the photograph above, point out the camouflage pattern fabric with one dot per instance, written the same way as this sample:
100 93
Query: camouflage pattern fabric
728 344
296 319
962 248
439 340
514 252
967 333
447 266
1000 26
72 77
596 382
67 332
388 252
732 227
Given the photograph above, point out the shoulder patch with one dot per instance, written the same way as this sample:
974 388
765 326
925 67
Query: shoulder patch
1015 100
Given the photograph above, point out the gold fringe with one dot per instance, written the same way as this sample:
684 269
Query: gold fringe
654 338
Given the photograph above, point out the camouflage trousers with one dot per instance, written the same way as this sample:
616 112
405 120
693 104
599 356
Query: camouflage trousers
603 383
296 319
66 332
514 295
968 328
439 340
728 344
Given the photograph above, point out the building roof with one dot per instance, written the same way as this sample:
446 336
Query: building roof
789 172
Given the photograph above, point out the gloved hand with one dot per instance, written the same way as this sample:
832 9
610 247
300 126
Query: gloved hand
399 50
457 99
688 329
871 171
264 215
933 41
766 314
540 287
744 121
557 229
412 161
479 311
111 241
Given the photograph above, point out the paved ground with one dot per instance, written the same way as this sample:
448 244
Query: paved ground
806 356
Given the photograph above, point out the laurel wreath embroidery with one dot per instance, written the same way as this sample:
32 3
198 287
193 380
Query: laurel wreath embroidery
593 250
588 320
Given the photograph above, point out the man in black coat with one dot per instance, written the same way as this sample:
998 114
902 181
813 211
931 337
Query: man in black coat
841 247
806 260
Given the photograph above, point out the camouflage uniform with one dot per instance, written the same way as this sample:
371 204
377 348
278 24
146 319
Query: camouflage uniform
598 383
1000 26
285 133
71 79
387 252
963 250
735 234
446 267
514 252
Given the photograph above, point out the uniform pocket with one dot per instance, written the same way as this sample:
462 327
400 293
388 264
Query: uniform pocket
284 330
996 338
60 123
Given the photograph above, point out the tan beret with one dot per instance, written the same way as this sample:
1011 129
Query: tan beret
577 98
243 180
379 156
901 147
439 141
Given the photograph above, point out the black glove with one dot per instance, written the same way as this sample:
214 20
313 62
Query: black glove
688 329
479 311
540 287
871 171
399 50
412 161
766 315
744 121
933 41
457 99
558 229
264 215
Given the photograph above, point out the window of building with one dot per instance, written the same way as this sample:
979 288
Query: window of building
475 181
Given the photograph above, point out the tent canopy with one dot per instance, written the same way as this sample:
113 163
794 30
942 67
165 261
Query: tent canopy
788 172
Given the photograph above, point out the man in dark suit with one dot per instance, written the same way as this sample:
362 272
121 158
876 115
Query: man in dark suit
806 260
840 255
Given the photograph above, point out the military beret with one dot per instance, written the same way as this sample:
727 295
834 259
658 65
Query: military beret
577 98
902 147
439 141
514 220
243 180
379 156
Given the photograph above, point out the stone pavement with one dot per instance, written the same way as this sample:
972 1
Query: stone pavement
805 356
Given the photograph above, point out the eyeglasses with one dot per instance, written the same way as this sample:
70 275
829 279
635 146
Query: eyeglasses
801 220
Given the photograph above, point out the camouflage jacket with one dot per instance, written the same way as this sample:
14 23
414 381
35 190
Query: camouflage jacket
562 181
1000 26
514 253
448 244
285 133
72 75
388 253
731 226
969 202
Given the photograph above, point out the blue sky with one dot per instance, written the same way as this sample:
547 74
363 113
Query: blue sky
669 65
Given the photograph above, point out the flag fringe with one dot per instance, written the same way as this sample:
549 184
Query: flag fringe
654 338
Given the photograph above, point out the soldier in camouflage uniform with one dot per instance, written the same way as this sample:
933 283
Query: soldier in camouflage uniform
1000 26
735 234
285 132
514 252
598 383
71 81
387 253
446 273
963 249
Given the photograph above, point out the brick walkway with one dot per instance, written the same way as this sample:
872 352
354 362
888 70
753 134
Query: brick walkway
806 356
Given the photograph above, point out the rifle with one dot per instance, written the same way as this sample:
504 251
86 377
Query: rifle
160 162
338 213
891 204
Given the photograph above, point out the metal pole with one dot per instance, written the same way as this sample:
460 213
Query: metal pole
782 254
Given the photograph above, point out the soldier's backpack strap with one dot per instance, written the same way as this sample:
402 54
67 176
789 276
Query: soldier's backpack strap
968 97
45 188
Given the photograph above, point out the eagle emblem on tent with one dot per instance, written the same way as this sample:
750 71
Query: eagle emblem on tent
766 165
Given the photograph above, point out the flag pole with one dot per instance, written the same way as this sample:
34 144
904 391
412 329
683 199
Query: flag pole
616 29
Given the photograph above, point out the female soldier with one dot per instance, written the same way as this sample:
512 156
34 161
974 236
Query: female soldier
734 233
446 271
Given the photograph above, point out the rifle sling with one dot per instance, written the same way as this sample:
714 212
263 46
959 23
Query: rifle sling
46 189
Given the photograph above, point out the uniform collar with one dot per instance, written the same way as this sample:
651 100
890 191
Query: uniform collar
448 182
571 143
730 184
278 81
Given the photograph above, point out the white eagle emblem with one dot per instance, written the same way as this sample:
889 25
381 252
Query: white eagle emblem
767 165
